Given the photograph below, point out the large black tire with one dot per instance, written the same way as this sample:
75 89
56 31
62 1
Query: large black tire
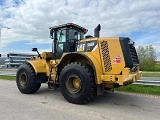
26 79
77 83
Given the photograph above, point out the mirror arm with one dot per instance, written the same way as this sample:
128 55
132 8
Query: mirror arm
36 50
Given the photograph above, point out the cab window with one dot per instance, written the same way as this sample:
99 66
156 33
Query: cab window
75 34
62 36
61 40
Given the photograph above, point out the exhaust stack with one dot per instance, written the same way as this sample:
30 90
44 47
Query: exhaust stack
96 31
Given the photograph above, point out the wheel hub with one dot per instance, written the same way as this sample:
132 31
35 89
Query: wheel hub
73 84
23 79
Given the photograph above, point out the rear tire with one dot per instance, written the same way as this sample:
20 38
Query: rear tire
77 83
26 79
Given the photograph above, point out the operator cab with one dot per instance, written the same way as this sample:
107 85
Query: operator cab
65 37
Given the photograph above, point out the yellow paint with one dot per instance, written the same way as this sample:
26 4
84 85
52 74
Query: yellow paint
114 48
117 74
38 65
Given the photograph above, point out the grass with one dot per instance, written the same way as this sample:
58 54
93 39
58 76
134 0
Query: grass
154 74
5 77
157 67
142 89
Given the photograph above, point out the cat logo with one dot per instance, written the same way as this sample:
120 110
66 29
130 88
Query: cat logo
80 47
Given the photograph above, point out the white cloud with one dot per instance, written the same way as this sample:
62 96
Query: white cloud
30 19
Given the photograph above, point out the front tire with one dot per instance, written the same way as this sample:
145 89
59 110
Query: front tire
77 83
26 79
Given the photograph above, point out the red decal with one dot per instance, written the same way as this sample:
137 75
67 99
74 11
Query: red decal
117 60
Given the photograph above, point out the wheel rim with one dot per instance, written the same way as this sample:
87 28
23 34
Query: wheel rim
73 84
23 79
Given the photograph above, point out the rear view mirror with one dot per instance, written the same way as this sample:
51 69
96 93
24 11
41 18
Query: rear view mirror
51 33
34 49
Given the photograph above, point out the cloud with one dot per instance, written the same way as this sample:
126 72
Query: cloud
30 20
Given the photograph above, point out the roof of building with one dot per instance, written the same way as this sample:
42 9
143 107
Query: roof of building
20 54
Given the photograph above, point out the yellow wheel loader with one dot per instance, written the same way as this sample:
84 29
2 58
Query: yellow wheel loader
82 67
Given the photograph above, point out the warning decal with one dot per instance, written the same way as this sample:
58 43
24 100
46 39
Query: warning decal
117 60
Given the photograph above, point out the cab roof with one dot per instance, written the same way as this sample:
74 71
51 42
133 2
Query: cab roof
70 25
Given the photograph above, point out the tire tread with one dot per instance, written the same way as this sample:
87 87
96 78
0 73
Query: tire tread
89 72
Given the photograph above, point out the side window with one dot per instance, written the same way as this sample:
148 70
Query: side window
72 34
61 40
62 36
75 34
60 47
80 35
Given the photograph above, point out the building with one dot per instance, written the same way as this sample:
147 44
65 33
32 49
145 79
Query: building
16 59
2 62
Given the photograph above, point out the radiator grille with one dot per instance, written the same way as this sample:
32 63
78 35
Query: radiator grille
106 56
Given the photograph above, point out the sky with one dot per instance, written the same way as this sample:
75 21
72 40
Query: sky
29 21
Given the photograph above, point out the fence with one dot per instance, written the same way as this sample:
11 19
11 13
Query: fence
153 81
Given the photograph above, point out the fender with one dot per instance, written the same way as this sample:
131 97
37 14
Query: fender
96 65
38 65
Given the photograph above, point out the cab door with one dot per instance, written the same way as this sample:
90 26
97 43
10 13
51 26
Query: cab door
61 43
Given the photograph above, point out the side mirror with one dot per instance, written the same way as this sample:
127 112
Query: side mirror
34 49
0 55
51 33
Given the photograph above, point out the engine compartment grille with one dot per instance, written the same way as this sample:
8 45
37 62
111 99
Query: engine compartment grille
106 56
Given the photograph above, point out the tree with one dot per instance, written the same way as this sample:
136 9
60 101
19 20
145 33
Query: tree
147 57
